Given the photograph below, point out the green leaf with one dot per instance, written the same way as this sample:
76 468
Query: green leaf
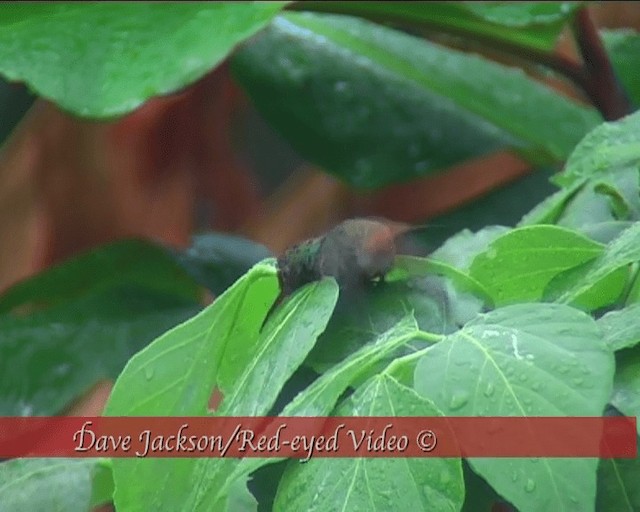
550 209
64 485
222 346
621 328
375 484
608 147
606 197
525 360
217 260
634 289
102 485
618 487
599 206
289 338
123 263
54 356
415 266
321 396
240 499
601 281
518 266
101 60
532 15
461 249
534 25
626 385
623 48
291 335
361 320
375 106
621 208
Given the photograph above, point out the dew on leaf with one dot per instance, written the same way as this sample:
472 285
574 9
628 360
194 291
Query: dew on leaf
489 389
530 486
459 400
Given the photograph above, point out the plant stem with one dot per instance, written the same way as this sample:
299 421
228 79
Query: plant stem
429 336
602 86
395 367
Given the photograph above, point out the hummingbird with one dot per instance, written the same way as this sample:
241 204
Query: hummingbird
357 252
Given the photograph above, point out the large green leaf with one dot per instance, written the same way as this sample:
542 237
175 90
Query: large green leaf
610 146
99 59
530 24
123 263
525 360
365 484
376 106
52 357
518 266
55 485
221 346
64 329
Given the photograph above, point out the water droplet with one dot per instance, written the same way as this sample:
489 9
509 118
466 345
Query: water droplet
530 486
26 409
514 476
445 477
341 86
578 381
62 369
458 400
148 373
489 389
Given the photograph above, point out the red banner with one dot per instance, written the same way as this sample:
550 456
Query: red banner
304 438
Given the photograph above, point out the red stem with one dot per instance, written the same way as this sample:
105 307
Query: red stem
602 85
